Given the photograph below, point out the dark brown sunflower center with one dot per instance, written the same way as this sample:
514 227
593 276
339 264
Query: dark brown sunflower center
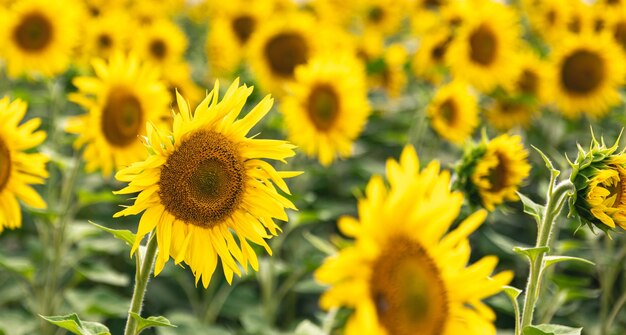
599 24
407 290
203 180
575 24
105 42
498 174
376 15
432 4
285 51
449 111
582 72
619 33
551 17
483 45
528 82
5 164
323 107
158 49
122 118
34 32
243 26
439 51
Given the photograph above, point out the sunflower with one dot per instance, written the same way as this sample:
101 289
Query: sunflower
383 16
500 171
391 77
105 34
178 79
616 26
506 113
120 99
205 181
19 169
484 52
408 276
162 43
280 46
453 112
587 73
429 60
38 36
549 18
231 29
326 108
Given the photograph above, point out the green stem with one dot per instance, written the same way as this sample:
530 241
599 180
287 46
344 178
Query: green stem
141 283
556 198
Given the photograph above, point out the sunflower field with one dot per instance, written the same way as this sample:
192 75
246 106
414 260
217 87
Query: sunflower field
312 167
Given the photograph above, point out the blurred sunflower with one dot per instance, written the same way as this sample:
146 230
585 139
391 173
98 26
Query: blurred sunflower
280 46
429 60
162 43
326 107
484 52
38 36
506 113
588 71
408 276
18 169
549 18
382 16
334 12
391 75
616 26
453 112
123 95
205 181
500 171
105 34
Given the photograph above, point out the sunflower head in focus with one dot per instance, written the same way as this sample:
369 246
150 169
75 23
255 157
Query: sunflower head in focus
279 46
121 96
599 175
326 107
484 51
453 112
162 43
19 169
38 36
492 171
205 181
587 72
404 274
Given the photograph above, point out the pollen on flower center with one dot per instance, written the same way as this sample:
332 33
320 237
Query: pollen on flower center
122 118
5 164
34 33
483 45
323 106
202 181
408 291
243 26
582 72
284 52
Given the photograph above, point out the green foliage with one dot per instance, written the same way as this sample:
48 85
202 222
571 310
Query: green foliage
73 323
551 330
151 321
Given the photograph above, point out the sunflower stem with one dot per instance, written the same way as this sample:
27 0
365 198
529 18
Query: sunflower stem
557 195
141 283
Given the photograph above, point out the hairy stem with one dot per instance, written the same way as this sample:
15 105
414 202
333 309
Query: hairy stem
141 283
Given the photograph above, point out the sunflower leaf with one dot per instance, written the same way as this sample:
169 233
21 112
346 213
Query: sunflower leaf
551 260
532 208
73 323
513 293
151 321
124 235
547 329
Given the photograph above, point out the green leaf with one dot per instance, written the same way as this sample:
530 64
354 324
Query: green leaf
554 172
124 235
551 260
531 253
513 293
307 327
151 321
547 329
73 323
18 265
320 244
532 208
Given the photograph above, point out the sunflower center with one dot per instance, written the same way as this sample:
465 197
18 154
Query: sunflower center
203 180
448 111
407 290
376 14
599 24
285 51
104 41
439 51
158 49
616 190
34 33
122 118
582 72
498 174
574 24
5 164
243 26
551 17
619 33
528 82
483 45
323 107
